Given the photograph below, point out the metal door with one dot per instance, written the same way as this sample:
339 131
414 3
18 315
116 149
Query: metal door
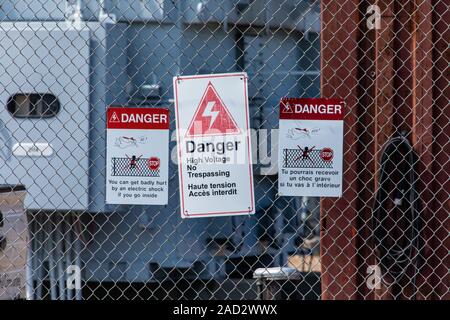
44 120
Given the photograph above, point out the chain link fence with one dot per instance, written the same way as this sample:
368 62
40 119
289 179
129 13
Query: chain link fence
62 63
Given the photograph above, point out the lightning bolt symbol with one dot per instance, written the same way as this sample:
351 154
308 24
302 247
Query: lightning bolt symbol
209 113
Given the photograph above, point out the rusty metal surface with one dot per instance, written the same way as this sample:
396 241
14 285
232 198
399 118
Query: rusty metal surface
407 90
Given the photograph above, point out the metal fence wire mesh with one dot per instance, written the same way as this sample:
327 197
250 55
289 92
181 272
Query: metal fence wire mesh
62 63
130 167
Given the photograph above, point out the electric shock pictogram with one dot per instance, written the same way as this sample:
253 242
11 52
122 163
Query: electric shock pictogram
212 117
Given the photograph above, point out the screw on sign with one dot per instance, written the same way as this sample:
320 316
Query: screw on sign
153 163
326 154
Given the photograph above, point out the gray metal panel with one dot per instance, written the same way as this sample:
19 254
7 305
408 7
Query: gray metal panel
197 11
294 14
47 58
155 54
17 10
298 15
109 81
208 49
140 10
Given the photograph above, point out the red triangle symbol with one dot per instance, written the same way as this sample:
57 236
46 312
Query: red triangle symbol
114 118
287 108
212 116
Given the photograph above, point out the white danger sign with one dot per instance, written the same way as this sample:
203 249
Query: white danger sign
311 147
214 156
137 160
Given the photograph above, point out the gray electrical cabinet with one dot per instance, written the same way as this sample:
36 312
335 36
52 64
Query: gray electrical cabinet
56 81
44 76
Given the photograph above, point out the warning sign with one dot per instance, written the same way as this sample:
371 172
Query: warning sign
137 156
214 156
310 147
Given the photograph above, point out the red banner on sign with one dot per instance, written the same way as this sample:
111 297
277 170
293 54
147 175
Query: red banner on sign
137 118
312 109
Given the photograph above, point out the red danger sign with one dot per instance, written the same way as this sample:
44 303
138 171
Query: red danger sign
311 109
137 118
137 154
214 151
311 147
